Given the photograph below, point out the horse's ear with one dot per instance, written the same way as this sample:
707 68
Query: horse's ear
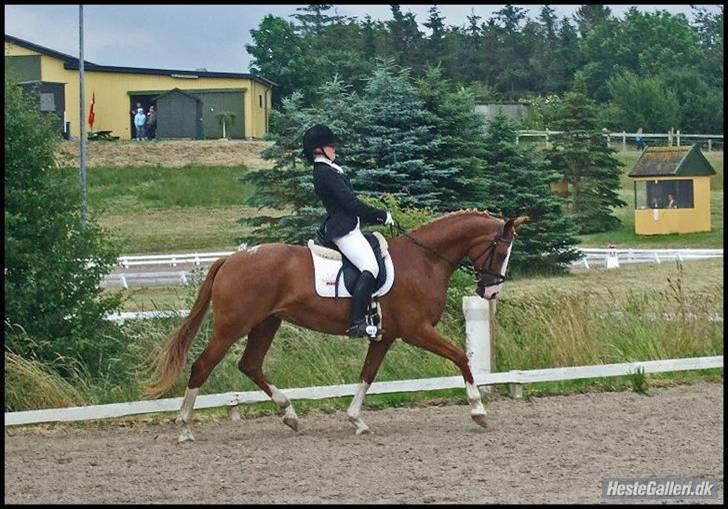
512 224
519 221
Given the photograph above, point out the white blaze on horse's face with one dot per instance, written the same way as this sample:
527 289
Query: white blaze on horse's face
491 292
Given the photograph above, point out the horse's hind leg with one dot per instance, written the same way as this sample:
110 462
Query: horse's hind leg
251 363
201 369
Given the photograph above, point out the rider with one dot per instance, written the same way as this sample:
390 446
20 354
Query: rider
345 214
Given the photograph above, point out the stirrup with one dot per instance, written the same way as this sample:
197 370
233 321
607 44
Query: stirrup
362 329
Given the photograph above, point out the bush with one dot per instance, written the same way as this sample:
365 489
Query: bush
53 267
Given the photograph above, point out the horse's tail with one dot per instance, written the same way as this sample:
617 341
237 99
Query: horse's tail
170 360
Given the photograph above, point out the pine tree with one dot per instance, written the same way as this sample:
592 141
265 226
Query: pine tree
590 15
518 184
288 186
457 155
582 156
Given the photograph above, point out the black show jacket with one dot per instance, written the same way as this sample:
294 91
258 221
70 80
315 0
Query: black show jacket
343 207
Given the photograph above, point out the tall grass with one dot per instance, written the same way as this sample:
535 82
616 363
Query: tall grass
534 329
31 385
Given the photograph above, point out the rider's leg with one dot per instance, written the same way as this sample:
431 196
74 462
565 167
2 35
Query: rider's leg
356 248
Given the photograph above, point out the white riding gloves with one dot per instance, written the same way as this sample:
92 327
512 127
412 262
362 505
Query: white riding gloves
389 219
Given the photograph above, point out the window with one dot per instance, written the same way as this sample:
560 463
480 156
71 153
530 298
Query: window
260 100
47 101
663 194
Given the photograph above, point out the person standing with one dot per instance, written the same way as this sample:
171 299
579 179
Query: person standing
151 127
139 120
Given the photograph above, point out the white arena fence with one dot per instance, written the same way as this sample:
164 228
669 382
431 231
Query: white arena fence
592 257
478 349
671 138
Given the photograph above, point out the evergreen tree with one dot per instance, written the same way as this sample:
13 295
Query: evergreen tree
405 38
436 47
518 184
313 18
393 142
582 156
590 15
512 52
288 208
457 155
54 306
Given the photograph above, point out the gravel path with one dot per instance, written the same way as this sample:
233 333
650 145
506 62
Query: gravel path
549 449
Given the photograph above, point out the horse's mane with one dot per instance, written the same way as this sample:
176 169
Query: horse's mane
456 213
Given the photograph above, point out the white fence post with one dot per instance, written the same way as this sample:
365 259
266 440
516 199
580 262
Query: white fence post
477 335
678 137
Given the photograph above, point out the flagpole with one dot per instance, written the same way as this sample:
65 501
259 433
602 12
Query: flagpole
82 103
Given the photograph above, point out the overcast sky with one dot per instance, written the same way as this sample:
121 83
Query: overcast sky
187 37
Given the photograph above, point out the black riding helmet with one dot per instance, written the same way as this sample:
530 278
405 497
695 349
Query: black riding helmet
317 136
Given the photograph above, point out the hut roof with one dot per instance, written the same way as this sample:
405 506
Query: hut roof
672 162
176 91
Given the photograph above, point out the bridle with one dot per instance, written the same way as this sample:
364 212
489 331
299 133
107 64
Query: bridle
481 272
489 252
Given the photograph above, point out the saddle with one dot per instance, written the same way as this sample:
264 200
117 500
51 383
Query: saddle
336 276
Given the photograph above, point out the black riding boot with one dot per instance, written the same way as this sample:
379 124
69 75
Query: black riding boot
360 297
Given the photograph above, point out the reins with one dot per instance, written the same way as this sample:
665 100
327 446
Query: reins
459 266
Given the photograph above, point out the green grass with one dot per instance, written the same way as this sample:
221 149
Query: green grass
130 189
196 208
158 209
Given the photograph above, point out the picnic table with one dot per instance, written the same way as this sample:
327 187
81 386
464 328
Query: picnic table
101 135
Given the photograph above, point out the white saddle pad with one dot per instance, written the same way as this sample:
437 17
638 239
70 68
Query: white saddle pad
327 263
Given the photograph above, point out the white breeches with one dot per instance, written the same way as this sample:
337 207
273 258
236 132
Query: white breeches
356 248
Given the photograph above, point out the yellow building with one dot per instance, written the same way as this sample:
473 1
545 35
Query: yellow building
244 98
671 191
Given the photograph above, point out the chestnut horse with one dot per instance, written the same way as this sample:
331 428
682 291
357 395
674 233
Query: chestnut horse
253 290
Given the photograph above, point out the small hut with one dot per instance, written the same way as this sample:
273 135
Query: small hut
179 115
671 191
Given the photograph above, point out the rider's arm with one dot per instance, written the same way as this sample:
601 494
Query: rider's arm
348 200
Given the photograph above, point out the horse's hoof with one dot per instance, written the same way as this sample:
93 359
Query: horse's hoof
364 430
291 422
186 436
480 419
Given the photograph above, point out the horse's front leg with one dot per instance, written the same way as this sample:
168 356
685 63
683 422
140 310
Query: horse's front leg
375 355
431 340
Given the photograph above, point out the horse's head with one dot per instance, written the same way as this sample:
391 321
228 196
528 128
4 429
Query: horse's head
490 258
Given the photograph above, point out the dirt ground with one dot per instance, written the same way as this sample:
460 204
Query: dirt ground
546 450
173 153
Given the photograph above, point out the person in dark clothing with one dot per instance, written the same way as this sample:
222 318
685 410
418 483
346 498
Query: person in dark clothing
345 213
152 122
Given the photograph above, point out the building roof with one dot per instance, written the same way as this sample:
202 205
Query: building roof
177 91
672 162
72 63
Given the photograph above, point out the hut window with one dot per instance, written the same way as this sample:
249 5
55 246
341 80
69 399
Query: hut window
260 100
663 194
47 102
